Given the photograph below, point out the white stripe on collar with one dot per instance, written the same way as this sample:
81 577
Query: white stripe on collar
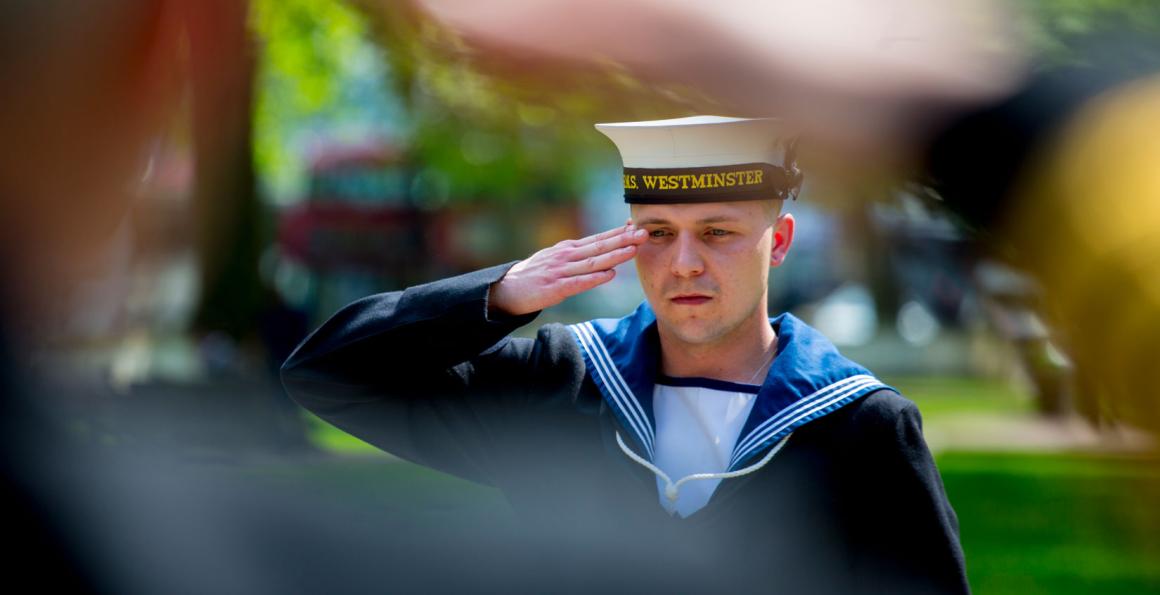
617 388
809 378
832 396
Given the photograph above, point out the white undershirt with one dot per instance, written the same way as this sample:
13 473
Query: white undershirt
697 428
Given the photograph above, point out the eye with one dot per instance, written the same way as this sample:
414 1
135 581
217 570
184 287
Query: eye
657 233
720 233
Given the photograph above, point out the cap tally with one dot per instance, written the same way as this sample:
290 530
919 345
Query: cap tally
705 159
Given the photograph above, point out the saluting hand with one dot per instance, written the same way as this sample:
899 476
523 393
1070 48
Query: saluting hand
554 274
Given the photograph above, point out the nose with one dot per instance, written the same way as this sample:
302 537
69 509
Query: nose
686 260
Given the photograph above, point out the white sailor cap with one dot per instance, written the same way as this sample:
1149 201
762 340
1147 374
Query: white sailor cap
705 159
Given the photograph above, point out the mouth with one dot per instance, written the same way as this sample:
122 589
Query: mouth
690 299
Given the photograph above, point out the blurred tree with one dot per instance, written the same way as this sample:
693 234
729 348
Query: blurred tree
1103 33
228 214
483 124
476 128
320 79
492 127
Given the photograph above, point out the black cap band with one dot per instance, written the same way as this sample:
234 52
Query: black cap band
746 181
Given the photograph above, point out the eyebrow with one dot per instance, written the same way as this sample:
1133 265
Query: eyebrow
706 220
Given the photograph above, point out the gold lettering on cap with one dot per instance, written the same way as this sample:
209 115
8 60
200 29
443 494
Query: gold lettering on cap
704 181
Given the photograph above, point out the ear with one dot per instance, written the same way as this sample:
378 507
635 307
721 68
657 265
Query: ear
782 238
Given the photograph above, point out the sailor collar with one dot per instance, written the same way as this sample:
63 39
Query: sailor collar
807 380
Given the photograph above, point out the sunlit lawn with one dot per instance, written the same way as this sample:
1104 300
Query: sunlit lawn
1030 523
940 395
1056 523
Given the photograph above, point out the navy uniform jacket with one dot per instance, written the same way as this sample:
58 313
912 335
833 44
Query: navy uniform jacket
852 503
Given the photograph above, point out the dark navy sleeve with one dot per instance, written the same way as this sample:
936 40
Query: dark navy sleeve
422 373
904 535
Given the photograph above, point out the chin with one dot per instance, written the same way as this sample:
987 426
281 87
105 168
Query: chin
692 332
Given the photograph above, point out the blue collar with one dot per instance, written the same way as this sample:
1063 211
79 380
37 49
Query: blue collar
808 379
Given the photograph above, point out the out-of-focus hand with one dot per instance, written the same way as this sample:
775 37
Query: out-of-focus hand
864 82
554 274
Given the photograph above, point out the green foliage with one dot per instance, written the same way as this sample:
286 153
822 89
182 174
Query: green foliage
497 132
320 77
332 69
478 137
304 44
1105 32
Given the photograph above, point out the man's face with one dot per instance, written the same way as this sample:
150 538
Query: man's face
705 266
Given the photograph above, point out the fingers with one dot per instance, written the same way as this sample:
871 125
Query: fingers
625 236
599 262
600 236
599 252
581 283
570 267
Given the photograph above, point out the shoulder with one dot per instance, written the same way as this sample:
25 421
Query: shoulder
876 440
881 416
885 406
554 343
552 355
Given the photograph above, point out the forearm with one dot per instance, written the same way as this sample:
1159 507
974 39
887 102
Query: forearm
423 328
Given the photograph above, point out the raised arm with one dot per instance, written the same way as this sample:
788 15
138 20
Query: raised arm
425 372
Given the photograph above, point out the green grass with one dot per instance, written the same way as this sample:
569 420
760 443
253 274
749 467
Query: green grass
332 439
940 396
1057 523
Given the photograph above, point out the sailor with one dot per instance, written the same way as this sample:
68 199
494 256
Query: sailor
694 437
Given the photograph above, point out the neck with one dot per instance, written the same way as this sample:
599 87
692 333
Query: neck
739 356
